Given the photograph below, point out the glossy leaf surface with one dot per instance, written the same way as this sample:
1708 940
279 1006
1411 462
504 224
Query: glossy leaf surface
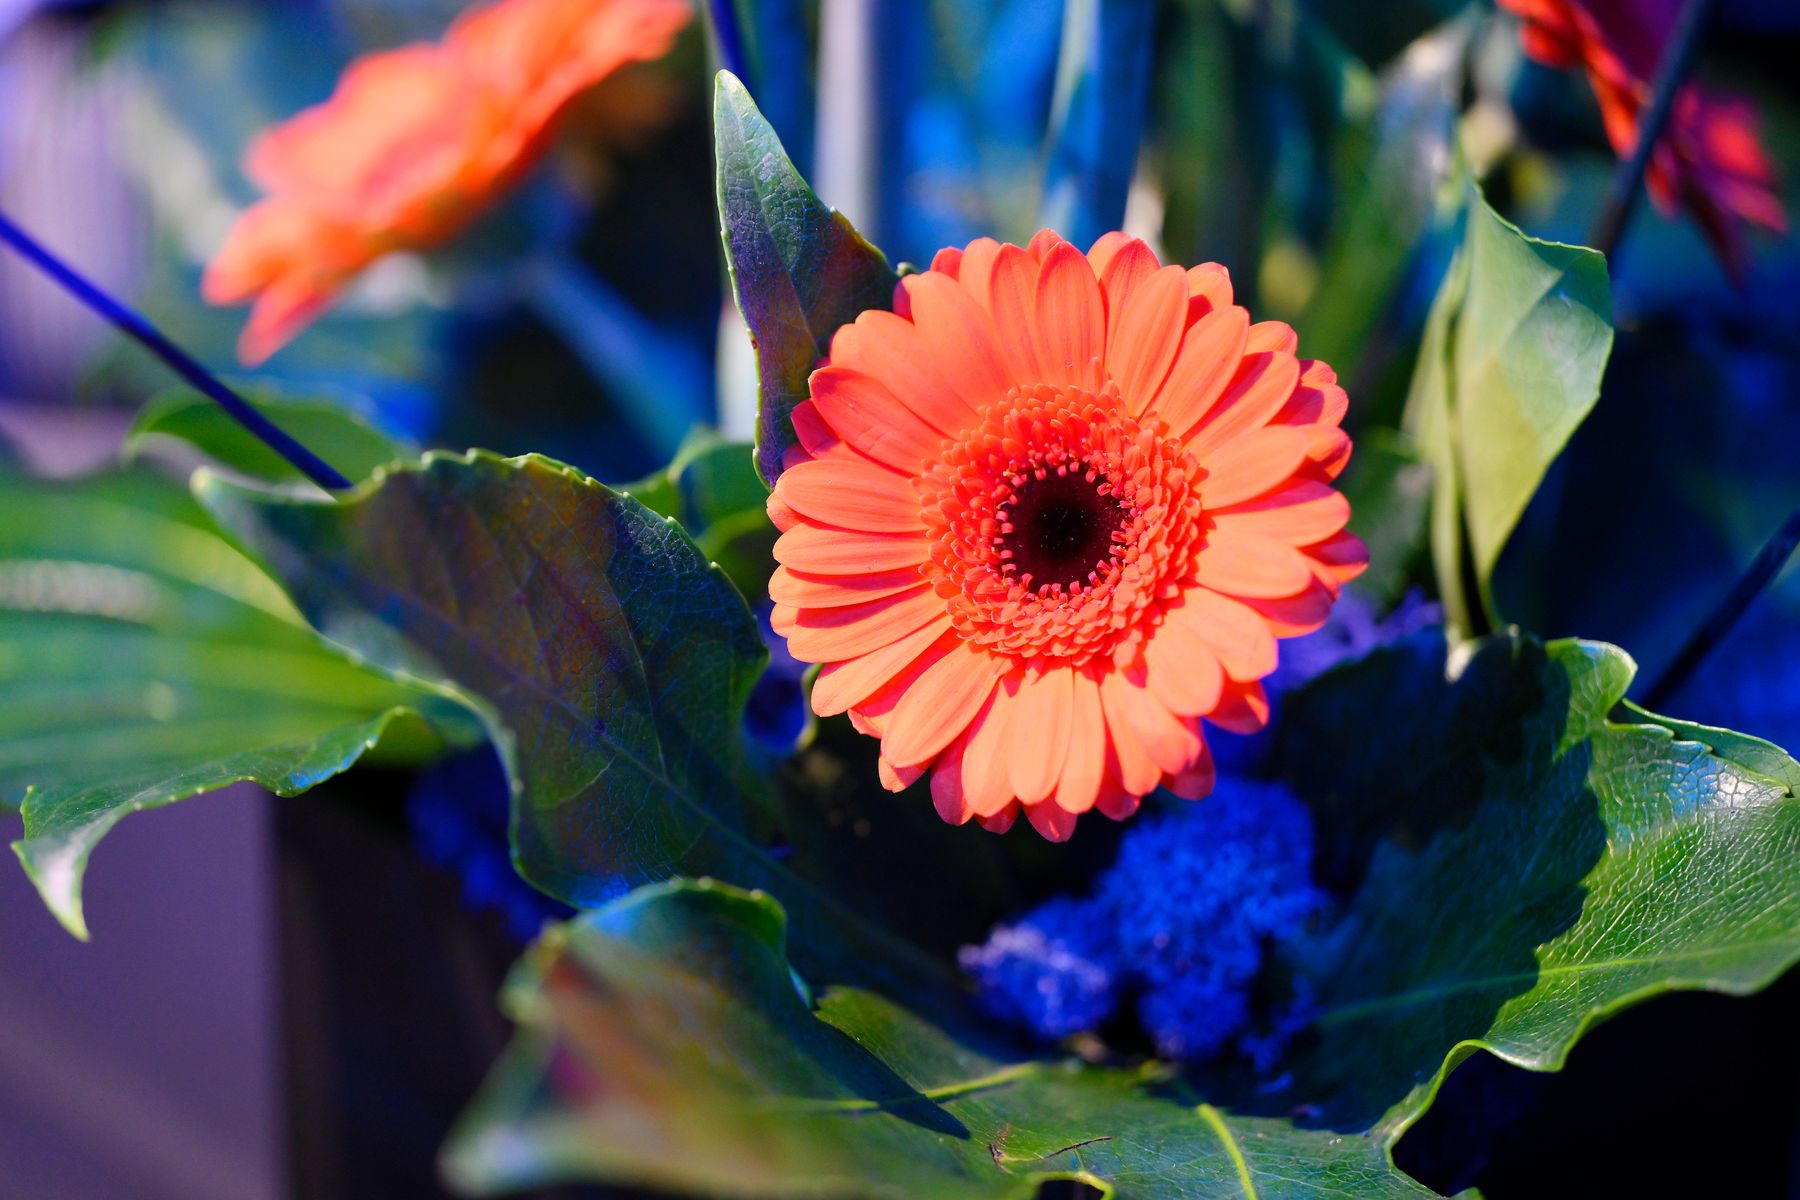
666 1042
1523 864
1511 362
798 268
144 660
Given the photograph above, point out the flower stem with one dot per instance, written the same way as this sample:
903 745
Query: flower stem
1750 585
173 356
1678 59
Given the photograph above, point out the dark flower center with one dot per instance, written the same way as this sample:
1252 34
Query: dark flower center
1062 528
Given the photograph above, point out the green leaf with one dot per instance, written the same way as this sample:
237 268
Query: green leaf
798 268
326 427
711 487
1511 363
144 660
610 661
1527 865
666 1043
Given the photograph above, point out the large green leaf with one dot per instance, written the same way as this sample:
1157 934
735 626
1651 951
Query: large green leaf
798 268
327 427
1523 865
1514 348
666 1042
610 660
712 488
143 660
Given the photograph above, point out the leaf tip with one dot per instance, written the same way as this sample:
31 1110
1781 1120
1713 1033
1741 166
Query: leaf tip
56 873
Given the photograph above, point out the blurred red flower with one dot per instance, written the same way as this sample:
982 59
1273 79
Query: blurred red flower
1709 160
413 145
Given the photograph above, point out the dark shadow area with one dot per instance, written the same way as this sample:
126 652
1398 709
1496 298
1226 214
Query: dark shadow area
388 997
1689 1095
1387 749
892 858
1467 837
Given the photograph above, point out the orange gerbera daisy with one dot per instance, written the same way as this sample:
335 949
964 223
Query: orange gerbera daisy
1710 158
1048 517
413 145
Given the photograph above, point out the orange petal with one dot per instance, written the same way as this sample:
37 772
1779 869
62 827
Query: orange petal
825 550
1209 289
1012 287
1042 243
853 493
1237 633
946 786
1243 709
896 779
1251 464
1116 801
1001 821
1293 616
800 590
1340 558
1107 245
816 436
1195 783
1051 820
984 759
1271 336
1084 766
1142 342
1038 734
843 685
1136 770
1069 329
1262 385
1209 357
1241 564
1181 669
887 347
960 336
824 635
1172 744
939 705
1303 512
871 419
1121 272
978 269
948 261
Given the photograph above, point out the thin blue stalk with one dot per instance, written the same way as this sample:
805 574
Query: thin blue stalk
1102 91
729 36
173 356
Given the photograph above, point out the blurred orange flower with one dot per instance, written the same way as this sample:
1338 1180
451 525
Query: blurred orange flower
1051 514
1710 158
413 145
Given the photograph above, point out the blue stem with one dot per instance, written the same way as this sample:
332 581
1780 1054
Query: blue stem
173 356
730 37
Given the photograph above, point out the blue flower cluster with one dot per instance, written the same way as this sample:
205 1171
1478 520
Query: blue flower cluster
1180 923
457 811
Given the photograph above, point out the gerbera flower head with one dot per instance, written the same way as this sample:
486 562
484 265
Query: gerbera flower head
1710 158
1048 517
412 146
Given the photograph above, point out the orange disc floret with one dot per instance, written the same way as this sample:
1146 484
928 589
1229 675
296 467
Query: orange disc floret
1049 517
1710 159
412 146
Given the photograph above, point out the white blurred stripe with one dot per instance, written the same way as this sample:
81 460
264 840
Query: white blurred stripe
61 179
